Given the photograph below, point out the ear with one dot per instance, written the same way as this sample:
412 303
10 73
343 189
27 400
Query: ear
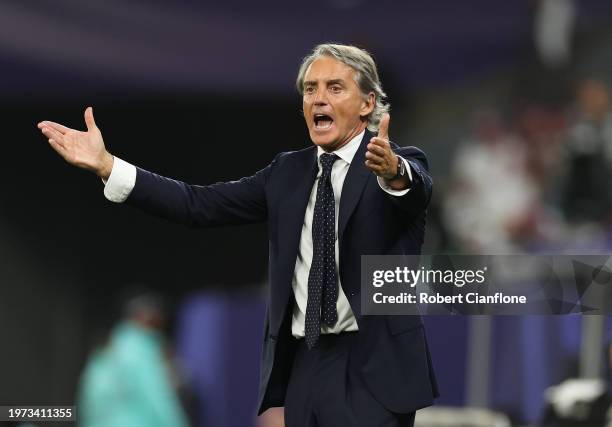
367 106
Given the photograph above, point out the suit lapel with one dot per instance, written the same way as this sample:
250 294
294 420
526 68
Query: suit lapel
296 202
354 183
293 208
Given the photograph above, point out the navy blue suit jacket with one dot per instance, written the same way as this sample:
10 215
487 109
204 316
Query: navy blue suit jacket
395 360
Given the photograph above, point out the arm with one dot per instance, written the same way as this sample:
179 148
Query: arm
223 203
235 202
417 197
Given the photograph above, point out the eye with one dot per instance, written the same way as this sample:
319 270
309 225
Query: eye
336 89
308 90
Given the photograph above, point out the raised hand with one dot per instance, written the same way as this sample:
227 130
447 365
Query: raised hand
82 149
380 159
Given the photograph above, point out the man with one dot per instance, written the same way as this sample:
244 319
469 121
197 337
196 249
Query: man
351 194
128 382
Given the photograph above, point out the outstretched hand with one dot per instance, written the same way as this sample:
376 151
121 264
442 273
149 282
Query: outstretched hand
82 149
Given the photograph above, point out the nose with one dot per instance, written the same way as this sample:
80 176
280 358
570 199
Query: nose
320 98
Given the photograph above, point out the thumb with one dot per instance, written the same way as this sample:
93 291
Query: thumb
383 126
89 119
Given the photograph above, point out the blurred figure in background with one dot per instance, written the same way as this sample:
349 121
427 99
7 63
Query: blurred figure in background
587 197
578 403
129 381
581 402
490 170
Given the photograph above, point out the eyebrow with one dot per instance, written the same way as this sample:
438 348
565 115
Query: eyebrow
335 82
328 82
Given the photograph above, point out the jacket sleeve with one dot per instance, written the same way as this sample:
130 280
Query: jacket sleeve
224 203
417 199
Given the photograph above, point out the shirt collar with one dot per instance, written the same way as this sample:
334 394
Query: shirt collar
347 151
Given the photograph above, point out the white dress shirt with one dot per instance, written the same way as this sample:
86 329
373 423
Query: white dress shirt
123 178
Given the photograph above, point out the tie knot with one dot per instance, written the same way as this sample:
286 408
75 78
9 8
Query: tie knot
327 161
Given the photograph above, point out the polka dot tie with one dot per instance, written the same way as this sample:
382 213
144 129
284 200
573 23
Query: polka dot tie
322 280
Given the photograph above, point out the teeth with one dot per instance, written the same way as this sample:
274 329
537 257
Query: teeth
322 121
323 124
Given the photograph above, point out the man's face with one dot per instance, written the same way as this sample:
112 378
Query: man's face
333 105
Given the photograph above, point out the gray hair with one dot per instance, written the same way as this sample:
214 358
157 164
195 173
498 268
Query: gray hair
366 75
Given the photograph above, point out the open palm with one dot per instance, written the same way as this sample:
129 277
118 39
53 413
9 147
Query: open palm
82 149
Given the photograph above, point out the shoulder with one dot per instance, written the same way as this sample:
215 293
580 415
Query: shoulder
297 154
293 158
286 164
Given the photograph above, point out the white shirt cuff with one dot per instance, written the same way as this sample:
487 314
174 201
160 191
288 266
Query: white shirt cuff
385 187
121 181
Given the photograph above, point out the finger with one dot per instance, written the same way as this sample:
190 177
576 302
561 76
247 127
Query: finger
53 134
380 142
57 147
377 149
89 119
383 127
60 128
373 167
374 158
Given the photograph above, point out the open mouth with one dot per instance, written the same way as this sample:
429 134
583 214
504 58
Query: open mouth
322 121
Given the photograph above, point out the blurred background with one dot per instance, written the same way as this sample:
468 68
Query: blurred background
510 101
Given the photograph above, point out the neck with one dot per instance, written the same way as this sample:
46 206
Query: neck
352 134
